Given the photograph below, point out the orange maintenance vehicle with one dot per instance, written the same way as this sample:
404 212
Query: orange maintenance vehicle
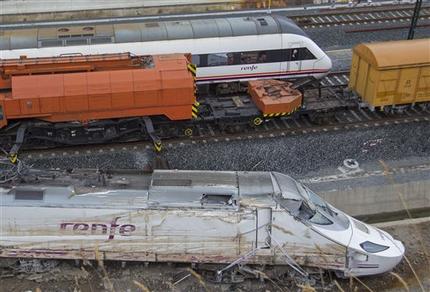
81 89
70 100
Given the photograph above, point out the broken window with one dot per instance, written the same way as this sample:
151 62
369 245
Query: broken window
217 199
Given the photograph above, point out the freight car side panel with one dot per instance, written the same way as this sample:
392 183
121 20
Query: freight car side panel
407 85
423 90
391 73
386 88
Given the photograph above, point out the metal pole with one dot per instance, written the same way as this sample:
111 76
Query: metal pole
414 19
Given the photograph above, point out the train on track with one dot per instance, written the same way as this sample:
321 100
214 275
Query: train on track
93 99
231 219
224 49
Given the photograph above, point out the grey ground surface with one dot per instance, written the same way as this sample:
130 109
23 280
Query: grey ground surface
300 156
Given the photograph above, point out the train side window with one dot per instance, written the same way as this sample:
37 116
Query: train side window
305 54
76 42
249 58
195 59
217 199
29 194
1 113
51 43
220 59
274 56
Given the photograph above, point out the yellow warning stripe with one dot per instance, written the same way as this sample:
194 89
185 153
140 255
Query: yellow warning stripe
192 68
273 115
194 109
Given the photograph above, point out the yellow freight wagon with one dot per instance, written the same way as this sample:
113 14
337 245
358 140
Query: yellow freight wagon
389 74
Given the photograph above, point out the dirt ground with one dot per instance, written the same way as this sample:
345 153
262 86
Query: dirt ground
67 276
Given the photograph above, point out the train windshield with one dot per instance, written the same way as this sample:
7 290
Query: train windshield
292 200
306 205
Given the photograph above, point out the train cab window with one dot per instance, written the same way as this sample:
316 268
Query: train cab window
320 219
305 54
294 55
217 199
1 113
29 194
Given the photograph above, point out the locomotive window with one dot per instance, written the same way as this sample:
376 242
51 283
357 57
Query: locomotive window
294 54
305 54
320 219
1 113
29 194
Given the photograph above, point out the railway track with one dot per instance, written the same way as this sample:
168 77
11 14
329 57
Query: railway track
374 15
206 134
336 79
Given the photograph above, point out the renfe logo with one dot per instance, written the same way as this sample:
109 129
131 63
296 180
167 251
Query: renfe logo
249 68
99 228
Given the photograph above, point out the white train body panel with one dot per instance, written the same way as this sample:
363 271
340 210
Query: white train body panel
207 217
281 36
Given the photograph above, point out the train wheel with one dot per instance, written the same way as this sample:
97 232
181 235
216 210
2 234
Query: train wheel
257 121
188 132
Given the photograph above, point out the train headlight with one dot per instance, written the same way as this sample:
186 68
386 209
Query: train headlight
372 247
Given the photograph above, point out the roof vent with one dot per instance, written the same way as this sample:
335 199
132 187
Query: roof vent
262 21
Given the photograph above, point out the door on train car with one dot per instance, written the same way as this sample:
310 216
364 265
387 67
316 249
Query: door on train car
263 227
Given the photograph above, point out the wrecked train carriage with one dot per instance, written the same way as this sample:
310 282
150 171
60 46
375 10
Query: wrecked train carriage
183 216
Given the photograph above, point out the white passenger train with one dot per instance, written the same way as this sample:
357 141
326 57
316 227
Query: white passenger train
188 216
224 49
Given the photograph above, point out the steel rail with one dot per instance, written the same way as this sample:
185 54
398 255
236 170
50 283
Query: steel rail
318 10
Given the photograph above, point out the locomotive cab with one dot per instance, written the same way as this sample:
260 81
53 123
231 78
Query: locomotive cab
369 250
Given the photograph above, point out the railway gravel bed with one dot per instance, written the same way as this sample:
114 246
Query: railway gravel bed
295 155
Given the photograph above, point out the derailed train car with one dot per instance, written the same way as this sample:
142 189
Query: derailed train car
188 216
